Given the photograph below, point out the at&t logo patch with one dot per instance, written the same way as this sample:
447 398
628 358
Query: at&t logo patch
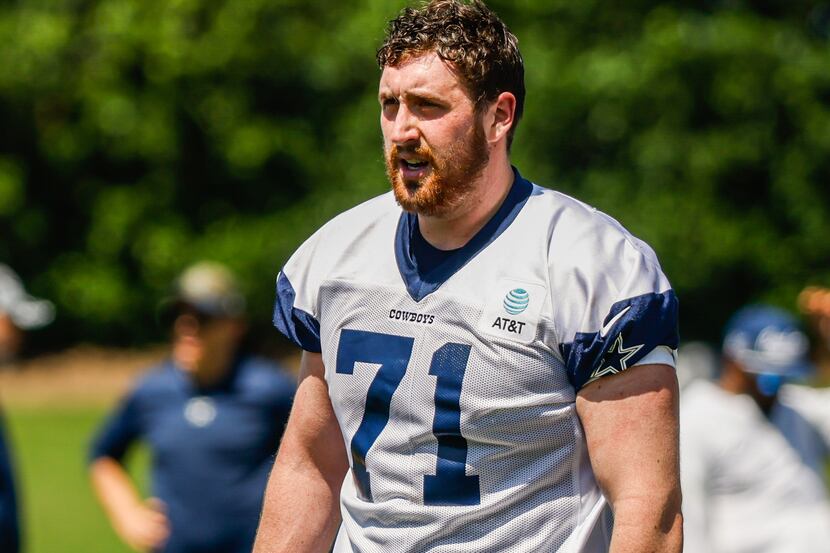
512 310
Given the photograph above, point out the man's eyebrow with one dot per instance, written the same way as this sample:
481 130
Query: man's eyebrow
422 95
416 96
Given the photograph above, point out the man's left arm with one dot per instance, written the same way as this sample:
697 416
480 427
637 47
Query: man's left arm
631 428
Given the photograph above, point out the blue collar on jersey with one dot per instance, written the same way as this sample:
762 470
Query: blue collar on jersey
422 281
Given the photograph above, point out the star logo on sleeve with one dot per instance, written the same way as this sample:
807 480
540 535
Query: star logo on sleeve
616 360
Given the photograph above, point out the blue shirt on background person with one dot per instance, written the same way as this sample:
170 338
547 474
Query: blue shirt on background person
211 448
212 418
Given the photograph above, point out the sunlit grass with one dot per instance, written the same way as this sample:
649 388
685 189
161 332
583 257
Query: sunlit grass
58 508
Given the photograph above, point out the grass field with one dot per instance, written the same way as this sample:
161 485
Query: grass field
51 414
59 511
52 406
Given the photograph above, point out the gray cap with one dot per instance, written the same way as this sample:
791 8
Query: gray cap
25 311
210 288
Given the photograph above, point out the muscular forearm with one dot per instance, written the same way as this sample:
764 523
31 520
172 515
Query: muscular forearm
301 508
651 524
301 511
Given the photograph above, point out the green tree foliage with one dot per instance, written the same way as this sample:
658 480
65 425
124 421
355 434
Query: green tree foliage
703 130
140 135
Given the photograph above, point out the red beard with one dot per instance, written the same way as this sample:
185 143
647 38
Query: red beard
450 177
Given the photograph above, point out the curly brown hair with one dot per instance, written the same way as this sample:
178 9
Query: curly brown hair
470 36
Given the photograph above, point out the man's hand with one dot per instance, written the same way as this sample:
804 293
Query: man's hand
144 526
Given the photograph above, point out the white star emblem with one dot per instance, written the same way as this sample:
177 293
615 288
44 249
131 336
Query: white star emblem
622 355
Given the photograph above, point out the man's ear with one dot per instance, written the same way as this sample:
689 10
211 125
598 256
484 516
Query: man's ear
501 115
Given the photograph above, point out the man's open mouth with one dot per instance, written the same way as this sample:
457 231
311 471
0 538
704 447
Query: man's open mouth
414 165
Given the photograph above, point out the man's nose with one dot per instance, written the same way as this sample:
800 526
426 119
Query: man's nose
404 127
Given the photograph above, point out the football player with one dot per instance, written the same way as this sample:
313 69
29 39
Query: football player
488 364
755 444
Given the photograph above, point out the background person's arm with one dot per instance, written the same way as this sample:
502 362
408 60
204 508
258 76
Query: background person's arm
301 509
142 525
631 427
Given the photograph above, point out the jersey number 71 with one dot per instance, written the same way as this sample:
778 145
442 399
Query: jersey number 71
450 485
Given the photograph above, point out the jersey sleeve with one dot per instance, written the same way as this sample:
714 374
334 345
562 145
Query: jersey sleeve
295 307
616 308
119 431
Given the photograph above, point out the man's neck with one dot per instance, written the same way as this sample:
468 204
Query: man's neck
453 231
205 372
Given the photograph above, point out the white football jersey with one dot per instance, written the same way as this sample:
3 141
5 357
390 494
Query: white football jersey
455 385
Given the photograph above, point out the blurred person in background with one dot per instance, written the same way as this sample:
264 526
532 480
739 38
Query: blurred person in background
212 417
19 312
754 444
814 302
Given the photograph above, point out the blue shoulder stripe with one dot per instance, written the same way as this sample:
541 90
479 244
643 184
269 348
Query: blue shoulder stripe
632 329
297 325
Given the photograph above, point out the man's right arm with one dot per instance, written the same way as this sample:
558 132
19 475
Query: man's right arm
301 507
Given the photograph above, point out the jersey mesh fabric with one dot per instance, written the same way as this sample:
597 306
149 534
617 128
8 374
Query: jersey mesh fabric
501 341
521 431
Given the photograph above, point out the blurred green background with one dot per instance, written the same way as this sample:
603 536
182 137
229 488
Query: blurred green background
141 135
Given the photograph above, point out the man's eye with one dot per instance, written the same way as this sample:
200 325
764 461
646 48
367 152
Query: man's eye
386 102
